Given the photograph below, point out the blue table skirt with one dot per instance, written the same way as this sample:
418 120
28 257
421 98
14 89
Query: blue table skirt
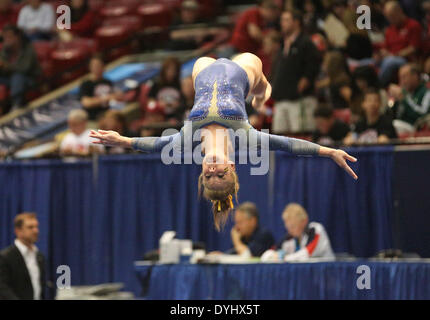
323 280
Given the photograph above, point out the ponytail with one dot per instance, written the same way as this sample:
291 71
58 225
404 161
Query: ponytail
222 200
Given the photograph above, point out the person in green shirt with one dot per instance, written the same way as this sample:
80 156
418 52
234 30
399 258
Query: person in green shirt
412 97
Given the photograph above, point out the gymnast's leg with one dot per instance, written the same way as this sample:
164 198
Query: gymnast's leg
260 88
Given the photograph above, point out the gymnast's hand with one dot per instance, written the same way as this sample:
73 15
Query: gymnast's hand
340 157
110 138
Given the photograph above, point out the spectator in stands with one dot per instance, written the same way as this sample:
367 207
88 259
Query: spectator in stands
37 19
78 142
312 14
183 38
365 77
22 265
337 81
114 120
412 97
249 239
166 91
335 24
18 65
304 239
294 72
153 122
189 13
97 93
269 51
84 21
374 127
329 129
402 40
8 15
249 30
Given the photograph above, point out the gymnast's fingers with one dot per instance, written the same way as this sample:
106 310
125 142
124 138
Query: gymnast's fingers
103 132
95 134
351 158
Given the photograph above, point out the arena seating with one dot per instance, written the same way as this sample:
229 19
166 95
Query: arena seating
121 22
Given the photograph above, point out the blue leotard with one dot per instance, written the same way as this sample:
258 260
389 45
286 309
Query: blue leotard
223 85
221 89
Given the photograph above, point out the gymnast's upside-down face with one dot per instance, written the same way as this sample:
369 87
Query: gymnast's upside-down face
217 171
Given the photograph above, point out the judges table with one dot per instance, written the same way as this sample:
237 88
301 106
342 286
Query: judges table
316 280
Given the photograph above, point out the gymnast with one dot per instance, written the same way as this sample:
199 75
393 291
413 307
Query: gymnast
221 87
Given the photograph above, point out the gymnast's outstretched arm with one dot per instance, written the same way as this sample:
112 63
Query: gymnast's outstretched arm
303 147
144 144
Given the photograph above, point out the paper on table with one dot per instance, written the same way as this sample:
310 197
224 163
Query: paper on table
230 259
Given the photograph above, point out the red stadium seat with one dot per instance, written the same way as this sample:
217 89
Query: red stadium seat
72 54
110 36
119 8
133 23
115 32
114 11
96 4
110 39
154 15
47 68
77 49
57 3
43 49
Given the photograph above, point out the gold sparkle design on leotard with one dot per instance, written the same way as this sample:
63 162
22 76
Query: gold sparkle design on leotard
213 109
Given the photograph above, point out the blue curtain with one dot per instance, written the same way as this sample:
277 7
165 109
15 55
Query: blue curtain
99 216
356 214
138 198
300 281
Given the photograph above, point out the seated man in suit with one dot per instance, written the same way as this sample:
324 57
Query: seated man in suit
249 239
304 239
22 266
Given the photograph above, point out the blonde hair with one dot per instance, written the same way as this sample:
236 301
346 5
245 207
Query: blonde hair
78 115
222 200
294 211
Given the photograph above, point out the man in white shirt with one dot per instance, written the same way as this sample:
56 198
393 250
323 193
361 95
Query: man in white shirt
78 141
37 20
22 266
304 240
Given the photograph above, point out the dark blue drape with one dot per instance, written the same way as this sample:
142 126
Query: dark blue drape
356 214
324 280
100 216
411 201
